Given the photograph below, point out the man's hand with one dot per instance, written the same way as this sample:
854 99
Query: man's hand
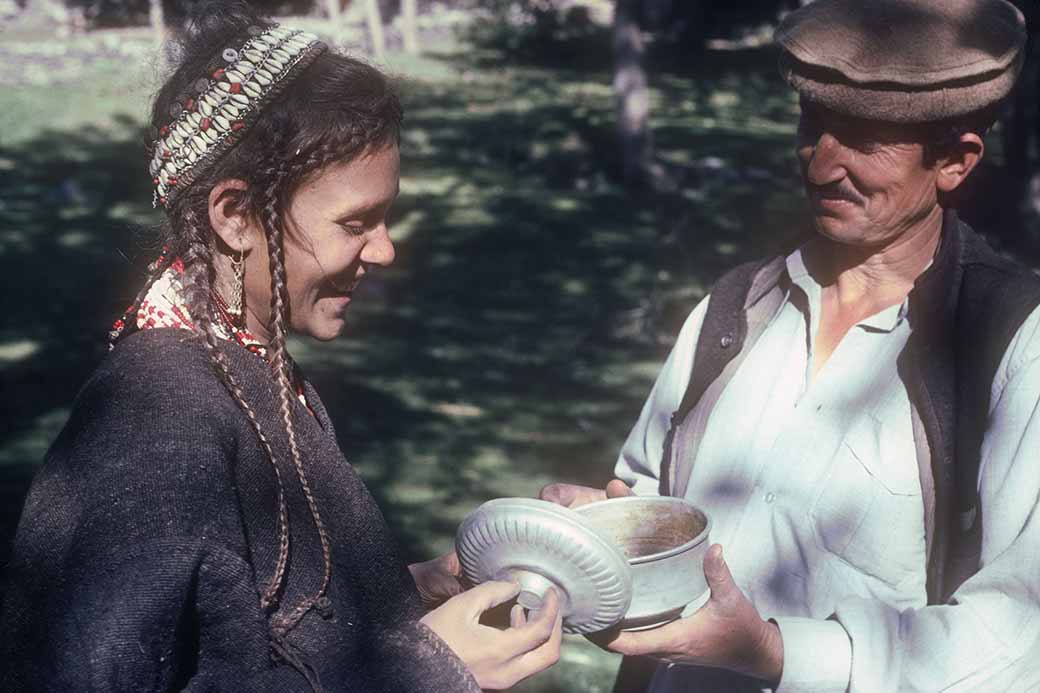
499 658
573 495
726 632
438 579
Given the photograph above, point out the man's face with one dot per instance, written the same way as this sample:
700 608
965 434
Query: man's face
867 181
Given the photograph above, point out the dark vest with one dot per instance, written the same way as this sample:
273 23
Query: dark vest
964 310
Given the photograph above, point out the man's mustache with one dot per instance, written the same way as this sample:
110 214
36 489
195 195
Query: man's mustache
834 191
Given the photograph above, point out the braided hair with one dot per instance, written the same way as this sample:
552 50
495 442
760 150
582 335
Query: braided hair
338 109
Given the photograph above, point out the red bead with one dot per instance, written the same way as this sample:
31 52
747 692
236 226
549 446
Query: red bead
218 73
237 125
162 201
189 105
172 180
204 124
166 153
163 131
235 87
155 181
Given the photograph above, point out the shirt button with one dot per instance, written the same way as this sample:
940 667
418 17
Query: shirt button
770 497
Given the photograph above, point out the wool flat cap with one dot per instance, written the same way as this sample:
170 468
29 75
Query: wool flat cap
903 61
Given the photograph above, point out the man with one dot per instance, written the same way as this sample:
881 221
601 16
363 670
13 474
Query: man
861 418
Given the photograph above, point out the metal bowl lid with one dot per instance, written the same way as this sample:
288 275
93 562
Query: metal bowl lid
541 545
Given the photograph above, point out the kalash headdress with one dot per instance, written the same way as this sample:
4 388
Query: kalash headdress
224 103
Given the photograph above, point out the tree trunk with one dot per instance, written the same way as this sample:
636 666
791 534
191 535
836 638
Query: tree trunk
157 20
631 93
375 28
409 27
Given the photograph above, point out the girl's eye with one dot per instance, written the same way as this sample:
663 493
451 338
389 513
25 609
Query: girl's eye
354 229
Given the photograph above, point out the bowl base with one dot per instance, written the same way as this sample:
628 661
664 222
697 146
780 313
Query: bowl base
660 619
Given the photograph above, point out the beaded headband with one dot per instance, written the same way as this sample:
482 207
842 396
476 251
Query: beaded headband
208 122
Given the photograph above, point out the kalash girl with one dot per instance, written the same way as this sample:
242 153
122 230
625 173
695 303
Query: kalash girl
195 526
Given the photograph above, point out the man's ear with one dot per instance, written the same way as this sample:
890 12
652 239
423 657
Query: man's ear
955 168
228 217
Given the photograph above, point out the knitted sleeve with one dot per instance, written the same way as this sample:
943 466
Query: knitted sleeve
121 578
130 571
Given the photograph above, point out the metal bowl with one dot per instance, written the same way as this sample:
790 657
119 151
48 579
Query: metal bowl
541 545
664 540
633 562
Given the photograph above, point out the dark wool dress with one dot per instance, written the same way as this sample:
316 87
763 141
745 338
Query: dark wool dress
149 530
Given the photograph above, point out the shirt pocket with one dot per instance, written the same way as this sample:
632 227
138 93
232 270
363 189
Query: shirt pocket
867 510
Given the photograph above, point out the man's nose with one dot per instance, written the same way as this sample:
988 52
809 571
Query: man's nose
379 249
826 161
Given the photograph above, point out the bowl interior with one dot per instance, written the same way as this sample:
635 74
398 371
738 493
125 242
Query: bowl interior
645 527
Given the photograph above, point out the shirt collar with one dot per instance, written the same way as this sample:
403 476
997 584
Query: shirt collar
885 320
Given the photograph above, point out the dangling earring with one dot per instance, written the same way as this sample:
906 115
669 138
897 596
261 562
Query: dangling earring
238 266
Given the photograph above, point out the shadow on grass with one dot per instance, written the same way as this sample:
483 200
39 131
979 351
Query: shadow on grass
515 338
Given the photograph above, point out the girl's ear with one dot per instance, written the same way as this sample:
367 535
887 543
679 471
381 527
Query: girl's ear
229 219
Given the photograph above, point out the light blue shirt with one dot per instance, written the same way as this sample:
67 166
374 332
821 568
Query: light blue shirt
813 489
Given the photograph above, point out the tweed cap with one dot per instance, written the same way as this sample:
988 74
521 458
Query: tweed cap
903 61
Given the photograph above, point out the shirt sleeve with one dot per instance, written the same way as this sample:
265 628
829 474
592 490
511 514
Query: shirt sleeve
987 637
639 464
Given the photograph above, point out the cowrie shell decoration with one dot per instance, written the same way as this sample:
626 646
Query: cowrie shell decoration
224 102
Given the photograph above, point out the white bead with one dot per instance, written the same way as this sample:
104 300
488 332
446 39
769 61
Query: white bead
255 56
240 99
252 88
234 76
263 77
205 108
221 122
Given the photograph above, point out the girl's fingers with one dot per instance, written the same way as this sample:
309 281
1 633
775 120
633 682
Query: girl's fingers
488 595
538 628
541 657
517 617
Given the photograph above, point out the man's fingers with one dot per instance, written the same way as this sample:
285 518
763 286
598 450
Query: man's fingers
658 641
617 488
450 563
561 494
717 574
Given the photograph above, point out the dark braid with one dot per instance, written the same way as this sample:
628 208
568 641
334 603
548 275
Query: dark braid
282 365
198 281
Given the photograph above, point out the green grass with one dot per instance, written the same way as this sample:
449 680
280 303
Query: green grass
515 338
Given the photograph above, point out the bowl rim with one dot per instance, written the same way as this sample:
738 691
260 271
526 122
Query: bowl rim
670 500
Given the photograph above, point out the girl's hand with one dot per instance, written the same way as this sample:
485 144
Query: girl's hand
499 658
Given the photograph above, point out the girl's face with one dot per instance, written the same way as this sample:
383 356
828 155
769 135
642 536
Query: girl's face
335 232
